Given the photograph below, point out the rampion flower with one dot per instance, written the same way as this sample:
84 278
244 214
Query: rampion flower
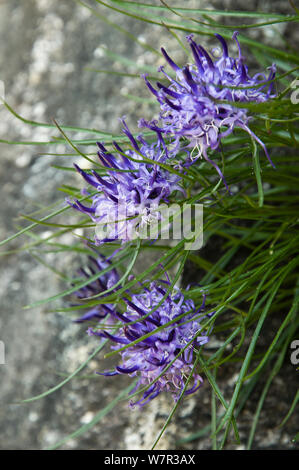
199 104
128 197
102 283
152 357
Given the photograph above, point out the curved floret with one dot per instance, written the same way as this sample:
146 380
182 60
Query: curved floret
198 104
99 284
128 197
165 355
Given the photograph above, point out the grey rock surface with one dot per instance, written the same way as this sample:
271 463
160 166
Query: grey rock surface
45 48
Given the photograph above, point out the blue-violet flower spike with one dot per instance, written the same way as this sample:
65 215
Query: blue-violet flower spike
199 104
128 196
150 358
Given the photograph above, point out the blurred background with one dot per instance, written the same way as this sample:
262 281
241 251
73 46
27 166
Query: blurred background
45 49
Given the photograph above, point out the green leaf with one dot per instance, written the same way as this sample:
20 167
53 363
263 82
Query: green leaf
257 171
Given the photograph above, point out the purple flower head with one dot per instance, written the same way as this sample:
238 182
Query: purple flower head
150 357
192 105
129 195
102 283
